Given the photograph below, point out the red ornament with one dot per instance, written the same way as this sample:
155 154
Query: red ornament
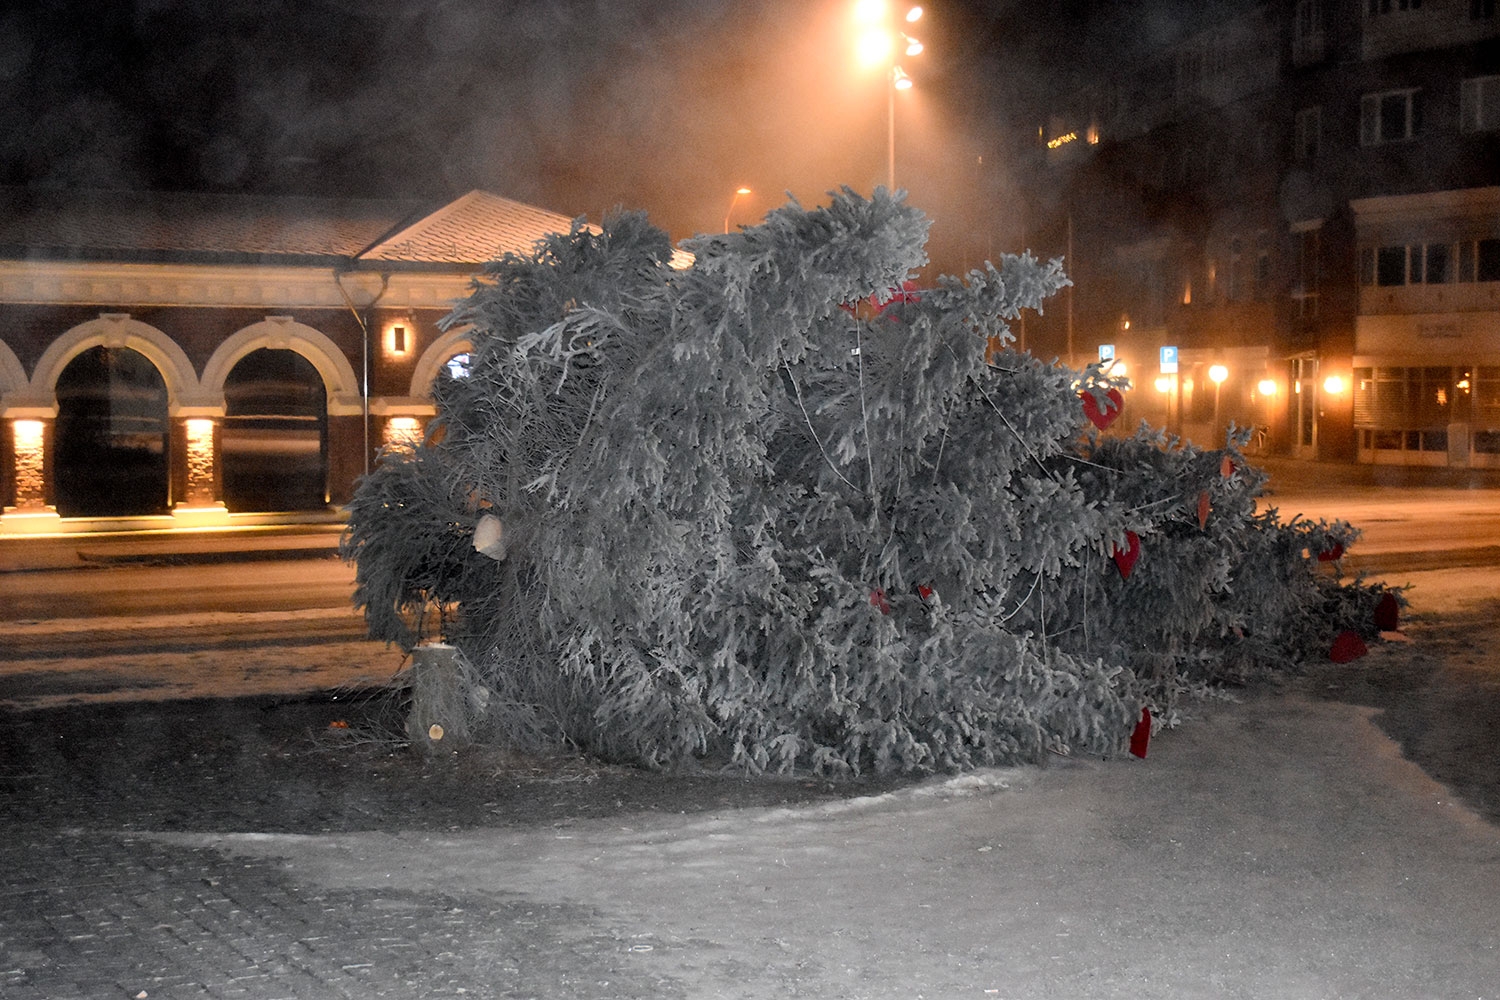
1332 553
1115 404
1125 558
1140 738
924 591
1226 467
877 598
906 293
1347 647
1388 613
1204 506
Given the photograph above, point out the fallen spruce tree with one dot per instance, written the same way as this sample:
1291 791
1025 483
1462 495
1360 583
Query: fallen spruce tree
765 512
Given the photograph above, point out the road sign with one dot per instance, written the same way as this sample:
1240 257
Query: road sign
1106 352
1169 360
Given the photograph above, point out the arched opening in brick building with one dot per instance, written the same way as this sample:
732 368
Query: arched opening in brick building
274 441
111 436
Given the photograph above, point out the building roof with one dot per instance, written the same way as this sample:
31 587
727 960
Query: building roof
475 229
227 228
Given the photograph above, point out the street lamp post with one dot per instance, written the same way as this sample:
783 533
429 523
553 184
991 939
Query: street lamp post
877 44
737 193
1217 374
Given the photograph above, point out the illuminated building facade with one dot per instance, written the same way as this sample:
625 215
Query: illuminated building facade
1307 196
185 359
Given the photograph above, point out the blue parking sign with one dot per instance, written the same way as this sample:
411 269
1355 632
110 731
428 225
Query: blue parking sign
1169 360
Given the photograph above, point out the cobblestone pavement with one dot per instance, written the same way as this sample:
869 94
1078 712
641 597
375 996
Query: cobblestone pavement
96 902
95 914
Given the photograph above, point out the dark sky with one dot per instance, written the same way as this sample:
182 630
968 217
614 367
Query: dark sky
665 105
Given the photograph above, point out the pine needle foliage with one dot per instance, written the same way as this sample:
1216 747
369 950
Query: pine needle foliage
757 515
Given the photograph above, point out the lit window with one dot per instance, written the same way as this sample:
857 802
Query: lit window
458 366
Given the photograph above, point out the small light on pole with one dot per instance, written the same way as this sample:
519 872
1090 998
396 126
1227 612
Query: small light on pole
1333 385
1217 374
737 193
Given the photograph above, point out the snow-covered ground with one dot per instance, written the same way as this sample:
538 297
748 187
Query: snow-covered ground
1276 848
1279 848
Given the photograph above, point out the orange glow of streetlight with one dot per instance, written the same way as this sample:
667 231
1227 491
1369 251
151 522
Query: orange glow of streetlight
1163 384
738 192
1333 385
1266 387
1217 373
874 46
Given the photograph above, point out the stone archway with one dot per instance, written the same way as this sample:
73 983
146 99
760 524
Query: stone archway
111 450
116 331
284 333
437 356
273 438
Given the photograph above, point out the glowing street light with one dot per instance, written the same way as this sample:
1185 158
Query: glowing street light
1333 385
737 193
1217 374
876 45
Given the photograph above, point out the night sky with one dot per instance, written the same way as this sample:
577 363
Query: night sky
579 107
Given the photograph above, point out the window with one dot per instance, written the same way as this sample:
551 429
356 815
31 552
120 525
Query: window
1487 257
1307 32
1306 292
1262 261
1388 117
1386 6
1479 104
1430 263
458 366
1235 286
1437 271
1307 132
1390 266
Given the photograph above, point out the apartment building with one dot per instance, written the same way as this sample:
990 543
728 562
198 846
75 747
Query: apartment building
1301 203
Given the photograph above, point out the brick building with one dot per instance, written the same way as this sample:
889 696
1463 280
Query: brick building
192 359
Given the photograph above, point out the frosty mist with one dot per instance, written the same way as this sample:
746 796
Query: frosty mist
760 512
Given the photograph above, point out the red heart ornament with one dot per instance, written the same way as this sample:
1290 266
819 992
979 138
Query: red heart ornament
924 591
1388 613
1347 647
1204 506
906 293
878 599
1125 558
1332 553
1140 738
1113 407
